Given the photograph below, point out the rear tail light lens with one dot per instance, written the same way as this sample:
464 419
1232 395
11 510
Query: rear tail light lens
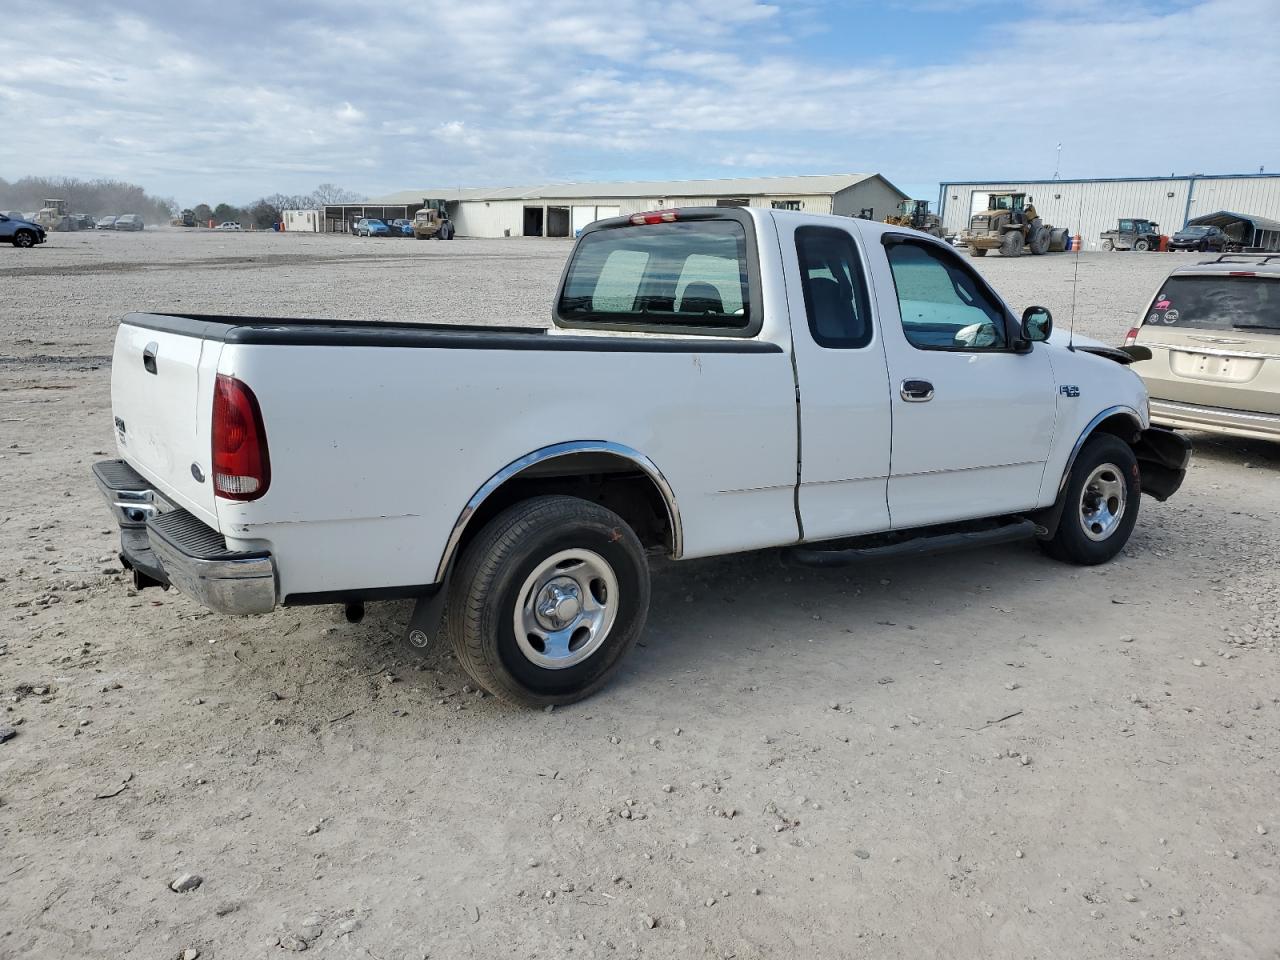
241 467
1131 337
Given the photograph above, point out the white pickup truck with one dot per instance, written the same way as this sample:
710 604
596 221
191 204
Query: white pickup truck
716 380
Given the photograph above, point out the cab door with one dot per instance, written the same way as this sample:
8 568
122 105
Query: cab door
843 382
973 415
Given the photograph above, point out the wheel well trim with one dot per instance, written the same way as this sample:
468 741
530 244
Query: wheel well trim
554 452
1089 431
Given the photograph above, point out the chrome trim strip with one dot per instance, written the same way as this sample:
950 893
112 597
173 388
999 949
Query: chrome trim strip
1212 351
1088 432
1172 408
553 452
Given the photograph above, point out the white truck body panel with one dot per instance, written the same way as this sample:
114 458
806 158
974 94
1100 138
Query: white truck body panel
377 451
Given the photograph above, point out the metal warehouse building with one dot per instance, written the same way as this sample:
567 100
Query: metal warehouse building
1089 207
560 210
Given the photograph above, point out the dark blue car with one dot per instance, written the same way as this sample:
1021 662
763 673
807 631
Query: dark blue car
21 232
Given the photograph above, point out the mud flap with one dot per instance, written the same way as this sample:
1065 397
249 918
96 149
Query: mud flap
1163 457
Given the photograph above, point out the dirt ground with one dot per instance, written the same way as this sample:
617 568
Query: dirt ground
978 755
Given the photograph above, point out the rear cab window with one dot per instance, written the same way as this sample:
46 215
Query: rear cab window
1240 301
692 275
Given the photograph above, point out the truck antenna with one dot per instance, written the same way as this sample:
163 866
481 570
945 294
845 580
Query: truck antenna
1075 280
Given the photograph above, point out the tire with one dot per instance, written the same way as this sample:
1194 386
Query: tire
24 238
1109 246
1040 245
1142 246
1093 531
560 549
1011 244
977 251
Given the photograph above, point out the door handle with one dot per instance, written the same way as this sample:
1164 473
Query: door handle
149 357
916 391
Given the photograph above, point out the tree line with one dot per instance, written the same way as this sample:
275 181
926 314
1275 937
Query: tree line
105 197
98 198
265 211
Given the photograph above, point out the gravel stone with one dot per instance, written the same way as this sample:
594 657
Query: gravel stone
186 883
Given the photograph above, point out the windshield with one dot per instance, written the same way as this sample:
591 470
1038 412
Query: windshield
1195 231
1218 303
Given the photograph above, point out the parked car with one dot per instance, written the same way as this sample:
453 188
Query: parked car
1213 331
372 227
106 223
401 228
228 225
130 221
759 410
83 221
21 232
1201 238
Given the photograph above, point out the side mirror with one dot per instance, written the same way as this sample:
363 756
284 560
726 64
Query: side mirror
1037 324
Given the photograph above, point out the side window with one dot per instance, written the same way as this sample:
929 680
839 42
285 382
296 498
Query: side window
835 294
942 305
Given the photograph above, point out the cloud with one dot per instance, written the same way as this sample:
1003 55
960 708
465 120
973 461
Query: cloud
240 98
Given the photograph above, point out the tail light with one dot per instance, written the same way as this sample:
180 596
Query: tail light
241 467
1131 337
655 216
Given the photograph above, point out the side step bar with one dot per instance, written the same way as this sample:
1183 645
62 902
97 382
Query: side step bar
922 544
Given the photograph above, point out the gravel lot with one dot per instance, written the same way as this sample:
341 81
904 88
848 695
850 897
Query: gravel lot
977 755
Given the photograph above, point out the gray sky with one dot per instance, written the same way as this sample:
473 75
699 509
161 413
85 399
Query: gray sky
230 100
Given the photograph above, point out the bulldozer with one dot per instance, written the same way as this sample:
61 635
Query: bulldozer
53 216
1011 224
433 221
915 214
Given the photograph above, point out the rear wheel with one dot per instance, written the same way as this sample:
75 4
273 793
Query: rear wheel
1109 245
977 251
24 238
1100 503
547 599
1011 244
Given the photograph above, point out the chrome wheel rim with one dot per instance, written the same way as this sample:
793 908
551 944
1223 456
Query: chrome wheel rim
566 608
1102 501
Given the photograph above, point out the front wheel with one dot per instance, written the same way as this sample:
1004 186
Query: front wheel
24 238
547 600
1100 503
977 251
1142 246
1011 244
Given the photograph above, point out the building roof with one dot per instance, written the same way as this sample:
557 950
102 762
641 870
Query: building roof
735 187
1178 177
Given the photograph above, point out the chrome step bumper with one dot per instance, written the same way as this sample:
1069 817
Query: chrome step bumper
170 547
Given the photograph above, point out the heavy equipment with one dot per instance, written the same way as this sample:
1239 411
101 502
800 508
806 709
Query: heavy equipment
53 216
433 221
1009 224
1132 233
915 214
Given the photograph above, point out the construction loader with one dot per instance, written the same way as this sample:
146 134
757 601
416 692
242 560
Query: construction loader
915 214
1011 224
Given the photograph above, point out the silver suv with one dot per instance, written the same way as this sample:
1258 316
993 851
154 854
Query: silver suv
1213 330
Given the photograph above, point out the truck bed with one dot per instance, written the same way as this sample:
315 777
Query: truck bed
441 336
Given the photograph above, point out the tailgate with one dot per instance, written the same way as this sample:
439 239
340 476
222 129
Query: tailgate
162 402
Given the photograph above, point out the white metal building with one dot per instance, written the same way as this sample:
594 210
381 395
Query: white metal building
1088 207
560 210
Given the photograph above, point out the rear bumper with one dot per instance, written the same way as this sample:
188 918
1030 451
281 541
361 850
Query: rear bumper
1236 423
168 546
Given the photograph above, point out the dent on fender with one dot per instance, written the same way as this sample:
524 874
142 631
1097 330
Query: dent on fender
553 452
